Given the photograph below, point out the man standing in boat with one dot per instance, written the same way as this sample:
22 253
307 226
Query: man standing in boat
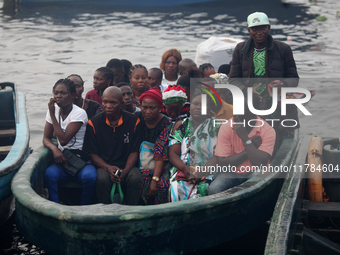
112 140
264 63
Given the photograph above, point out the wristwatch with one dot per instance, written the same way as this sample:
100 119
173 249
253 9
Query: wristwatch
155 178
248 142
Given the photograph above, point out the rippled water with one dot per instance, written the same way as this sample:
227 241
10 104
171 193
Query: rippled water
40 44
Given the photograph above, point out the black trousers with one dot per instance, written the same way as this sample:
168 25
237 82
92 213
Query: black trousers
132 186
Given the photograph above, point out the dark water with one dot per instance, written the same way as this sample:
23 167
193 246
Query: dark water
40 44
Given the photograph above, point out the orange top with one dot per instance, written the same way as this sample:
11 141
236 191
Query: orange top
228 142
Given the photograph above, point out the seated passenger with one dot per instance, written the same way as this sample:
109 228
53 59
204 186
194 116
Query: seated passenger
102 78
224 110
192 144
112 140
118 70
68 122
225 69
155 133
127 65
127 104
184 65
169 66
174 98
138 77
242 145
207 69
91 107
155 79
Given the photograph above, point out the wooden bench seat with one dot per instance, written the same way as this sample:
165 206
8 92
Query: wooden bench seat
325 209
4 150
7 132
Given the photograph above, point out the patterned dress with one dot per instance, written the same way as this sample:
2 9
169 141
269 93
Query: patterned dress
93 109
197 148
159 136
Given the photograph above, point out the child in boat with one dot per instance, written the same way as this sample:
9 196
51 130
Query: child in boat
68 122
127 98
139 82
207 69
102 78
91 107
155 79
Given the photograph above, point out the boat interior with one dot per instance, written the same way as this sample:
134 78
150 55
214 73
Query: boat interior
7 118
316 228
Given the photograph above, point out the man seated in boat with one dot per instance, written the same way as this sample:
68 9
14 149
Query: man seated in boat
265 63
117 68
246 142
112 140
184 65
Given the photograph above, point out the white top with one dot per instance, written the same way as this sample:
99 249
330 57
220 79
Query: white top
77 114
166 82
163 87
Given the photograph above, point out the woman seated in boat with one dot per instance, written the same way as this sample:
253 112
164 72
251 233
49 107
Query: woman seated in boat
174 98
68 122
169 66
138 77
102 78
155 133
192 143
91 107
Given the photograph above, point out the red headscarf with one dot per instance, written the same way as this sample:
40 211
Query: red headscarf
155 94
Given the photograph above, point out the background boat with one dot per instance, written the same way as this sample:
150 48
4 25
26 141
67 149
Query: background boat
173 228
126 2
14 141
302 226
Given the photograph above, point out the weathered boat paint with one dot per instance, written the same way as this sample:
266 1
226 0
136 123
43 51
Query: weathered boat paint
17 155
285 226
172 228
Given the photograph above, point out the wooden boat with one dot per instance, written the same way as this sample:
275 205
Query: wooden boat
14 139
125 2
301 225
172 228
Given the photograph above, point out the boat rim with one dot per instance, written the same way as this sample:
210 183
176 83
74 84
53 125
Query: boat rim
100 213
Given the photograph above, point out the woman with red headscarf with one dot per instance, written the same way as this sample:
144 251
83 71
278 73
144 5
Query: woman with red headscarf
153 150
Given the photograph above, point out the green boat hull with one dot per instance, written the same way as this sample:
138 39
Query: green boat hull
172 228
12 117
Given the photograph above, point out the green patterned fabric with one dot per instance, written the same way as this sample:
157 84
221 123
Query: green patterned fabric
174 100
259 60
197 148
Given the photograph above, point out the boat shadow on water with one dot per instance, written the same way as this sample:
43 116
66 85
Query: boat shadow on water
172 228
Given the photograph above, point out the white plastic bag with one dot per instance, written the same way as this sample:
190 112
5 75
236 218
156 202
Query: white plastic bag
216 51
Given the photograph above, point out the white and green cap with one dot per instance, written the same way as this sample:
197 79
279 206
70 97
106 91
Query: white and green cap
257 19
